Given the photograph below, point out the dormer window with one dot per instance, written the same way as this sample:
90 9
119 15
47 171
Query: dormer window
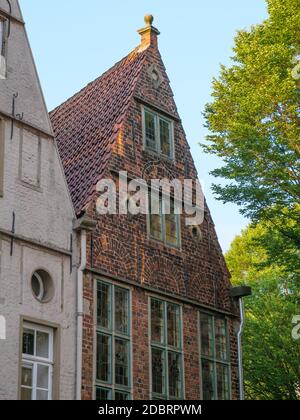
3 37
158 134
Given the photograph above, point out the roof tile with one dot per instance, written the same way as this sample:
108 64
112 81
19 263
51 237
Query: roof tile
87 124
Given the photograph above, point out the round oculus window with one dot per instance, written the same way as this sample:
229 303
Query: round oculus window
42 286
196 233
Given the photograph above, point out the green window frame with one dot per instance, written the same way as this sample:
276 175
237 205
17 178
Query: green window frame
158 134
162 227
113 342
166 355
215 357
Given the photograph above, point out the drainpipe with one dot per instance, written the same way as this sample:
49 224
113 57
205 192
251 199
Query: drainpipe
82 226
240 352
239 293
80 313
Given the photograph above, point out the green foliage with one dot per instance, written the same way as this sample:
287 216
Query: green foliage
272 361
271 355
254 121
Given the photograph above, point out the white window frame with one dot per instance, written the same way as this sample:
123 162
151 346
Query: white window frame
158 117
35 361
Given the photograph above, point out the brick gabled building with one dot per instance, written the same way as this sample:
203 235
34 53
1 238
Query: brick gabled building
158 318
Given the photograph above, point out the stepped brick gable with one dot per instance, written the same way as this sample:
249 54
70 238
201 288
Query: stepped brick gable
100 132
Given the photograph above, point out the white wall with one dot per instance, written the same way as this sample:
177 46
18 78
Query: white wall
15 288
22 77
35 190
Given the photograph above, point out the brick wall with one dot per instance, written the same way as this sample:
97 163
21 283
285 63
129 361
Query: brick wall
120 247
141 347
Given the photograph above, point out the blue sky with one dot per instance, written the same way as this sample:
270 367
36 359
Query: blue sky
74 42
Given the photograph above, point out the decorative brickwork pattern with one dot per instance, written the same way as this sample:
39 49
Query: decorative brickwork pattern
99 133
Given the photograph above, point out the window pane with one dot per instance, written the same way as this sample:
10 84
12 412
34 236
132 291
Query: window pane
27 375
174 329
121 311
42 376
172 226
2 35
156 226
103 358
175 375
28 342
221 339
222 382
207 335
26 394
208 380
104 305
150 131
172 229
122 362
42 395
157 321
36 285
156 219
103 394
165 138
158 371
121 396
42 345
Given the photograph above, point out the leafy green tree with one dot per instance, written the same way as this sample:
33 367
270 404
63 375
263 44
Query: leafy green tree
271 355
254 122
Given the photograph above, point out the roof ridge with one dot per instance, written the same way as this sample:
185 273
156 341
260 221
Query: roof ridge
106 73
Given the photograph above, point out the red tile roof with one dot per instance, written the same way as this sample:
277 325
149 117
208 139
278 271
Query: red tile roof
86 126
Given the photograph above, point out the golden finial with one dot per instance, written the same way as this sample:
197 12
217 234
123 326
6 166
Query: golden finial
149 20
